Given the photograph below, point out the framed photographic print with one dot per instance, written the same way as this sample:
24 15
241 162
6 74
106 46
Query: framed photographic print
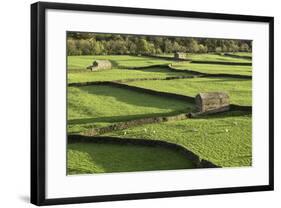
134 103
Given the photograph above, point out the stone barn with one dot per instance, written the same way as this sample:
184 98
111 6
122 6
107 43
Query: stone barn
212 101
179 55
100 65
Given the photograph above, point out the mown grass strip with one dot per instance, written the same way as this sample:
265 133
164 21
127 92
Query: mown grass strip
222 63
175 69
248 57
218 57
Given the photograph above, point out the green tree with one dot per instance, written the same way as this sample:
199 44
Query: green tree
168 46
193 46
218 49
79 43
202 48
244 47
71 47
142 46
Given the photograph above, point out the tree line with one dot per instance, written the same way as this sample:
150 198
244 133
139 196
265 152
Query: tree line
115 44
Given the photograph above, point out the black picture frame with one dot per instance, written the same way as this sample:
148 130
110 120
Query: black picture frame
38 102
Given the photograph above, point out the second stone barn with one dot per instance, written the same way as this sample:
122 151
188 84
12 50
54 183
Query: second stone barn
100 65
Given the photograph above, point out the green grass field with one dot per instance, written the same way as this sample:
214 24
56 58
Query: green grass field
122 61
118 74
115 105
224 139
214 68
246 54
215 57
239 89
103 158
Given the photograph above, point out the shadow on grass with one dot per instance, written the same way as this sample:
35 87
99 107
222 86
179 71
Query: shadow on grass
85 158
137 98
225 115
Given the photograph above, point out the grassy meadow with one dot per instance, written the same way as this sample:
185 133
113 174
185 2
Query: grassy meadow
224 139
115 105
239 89
213 57
214 68
103 158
